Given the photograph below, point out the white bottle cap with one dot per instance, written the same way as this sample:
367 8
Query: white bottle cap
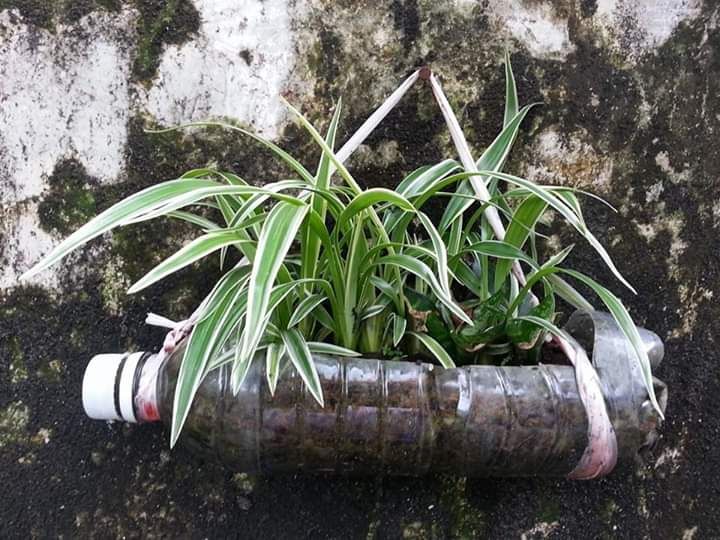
107 391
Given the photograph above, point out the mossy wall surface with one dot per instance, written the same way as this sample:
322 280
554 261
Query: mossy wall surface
631 111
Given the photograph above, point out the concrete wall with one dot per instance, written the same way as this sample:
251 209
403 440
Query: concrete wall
630 111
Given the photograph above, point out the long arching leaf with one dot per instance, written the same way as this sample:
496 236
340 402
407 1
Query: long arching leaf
195 250
275 240
568 213
524 219
118 214
422 270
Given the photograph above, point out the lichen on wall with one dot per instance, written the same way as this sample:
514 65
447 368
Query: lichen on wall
627 94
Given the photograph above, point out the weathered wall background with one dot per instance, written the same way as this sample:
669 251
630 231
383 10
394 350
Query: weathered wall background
631 111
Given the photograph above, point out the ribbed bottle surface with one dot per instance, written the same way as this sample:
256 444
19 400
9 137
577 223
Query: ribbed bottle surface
394 417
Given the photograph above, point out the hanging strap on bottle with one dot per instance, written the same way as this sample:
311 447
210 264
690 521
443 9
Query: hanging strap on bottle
600 455
178 330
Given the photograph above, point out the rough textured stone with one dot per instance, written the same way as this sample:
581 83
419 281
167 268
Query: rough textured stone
630 111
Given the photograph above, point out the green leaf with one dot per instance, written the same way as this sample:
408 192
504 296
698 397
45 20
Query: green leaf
440 252
311 244
342 170
524 219
399 326
199 350
377 224
241 365
470 279
421 270
280 292
200 221
568 293
548 269
308 304
499 250
323 317
419 301
435 349
318 347
568 213
386 289
237 277
118 214
222 194
352 285
300 356
511 98
628 328
402 186
488 323
492 159
418 184
249 207
275 240
546 325
273 354
373 311
524 334
368 198
195 250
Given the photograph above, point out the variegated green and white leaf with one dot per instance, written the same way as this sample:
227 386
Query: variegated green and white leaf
273 354
118 214
421 270
301 357
435 349
399 326
195 250
306 306
328 349
275 240
568 213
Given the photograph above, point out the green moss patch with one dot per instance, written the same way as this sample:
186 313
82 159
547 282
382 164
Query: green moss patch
70 201
161 23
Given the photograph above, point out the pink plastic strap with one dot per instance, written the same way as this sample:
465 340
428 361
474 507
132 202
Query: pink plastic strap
600 455
178 330
146 403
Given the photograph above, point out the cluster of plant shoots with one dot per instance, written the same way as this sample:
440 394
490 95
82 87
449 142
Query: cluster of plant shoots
326 267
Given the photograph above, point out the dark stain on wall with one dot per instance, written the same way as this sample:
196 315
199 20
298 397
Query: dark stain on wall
588 7
161 23
70 201
407 19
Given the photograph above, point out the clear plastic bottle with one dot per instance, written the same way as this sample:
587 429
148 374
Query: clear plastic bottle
404 418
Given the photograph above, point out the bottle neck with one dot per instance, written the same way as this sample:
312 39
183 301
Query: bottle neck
145 395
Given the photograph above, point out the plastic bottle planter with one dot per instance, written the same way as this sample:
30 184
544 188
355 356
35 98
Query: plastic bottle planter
397 417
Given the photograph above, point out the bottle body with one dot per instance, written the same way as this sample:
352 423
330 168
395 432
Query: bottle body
393 417
401 418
